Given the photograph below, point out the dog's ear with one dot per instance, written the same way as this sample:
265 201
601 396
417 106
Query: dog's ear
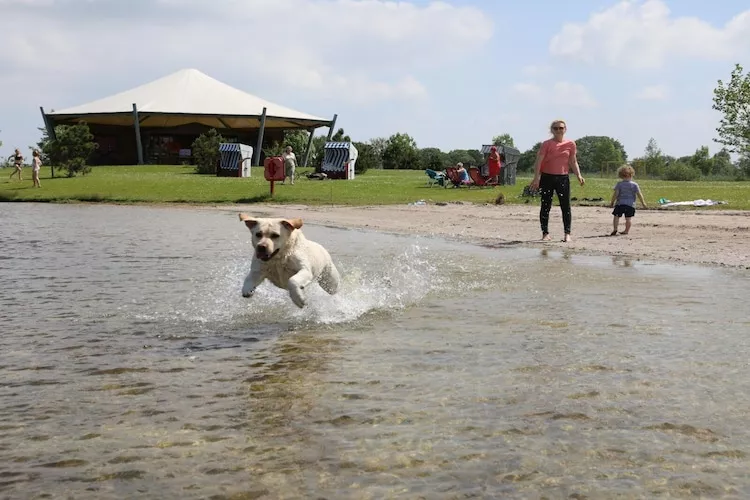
292 224
249 221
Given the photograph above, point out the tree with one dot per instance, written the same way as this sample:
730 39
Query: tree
72 148
733 101
722 163
433 159
587 148
528 159
653 159
462 156
702 160
206 152
400 152
366 159
743 166
604 155
503 140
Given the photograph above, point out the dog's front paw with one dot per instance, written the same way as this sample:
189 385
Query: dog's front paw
298 297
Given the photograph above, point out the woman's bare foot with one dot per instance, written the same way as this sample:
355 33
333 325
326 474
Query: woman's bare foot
546 237
567 238
623 232
613 233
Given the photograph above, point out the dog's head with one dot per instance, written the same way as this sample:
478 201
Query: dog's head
270 235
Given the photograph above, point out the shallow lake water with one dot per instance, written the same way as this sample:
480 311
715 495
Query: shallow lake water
131 367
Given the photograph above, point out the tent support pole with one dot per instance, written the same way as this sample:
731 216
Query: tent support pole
259 145
50 133
307 150
137 134
331 127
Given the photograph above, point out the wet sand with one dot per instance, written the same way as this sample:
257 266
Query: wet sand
692 236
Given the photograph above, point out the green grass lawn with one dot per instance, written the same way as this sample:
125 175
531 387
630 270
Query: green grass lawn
178 184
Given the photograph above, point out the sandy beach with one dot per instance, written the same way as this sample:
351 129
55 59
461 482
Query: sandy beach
695 236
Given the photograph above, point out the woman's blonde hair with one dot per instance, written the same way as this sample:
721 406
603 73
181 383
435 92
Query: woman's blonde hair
555 122
625 171
35 153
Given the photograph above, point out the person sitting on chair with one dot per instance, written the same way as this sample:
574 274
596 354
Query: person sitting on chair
463 175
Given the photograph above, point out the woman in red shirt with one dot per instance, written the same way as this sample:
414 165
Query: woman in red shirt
553 162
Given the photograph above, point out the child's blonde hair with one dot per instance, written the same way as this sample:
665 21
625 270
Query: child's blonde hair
625 171
35 153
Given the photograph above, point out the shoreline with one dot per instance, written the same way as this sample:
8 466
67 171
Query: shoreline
711 238
706 237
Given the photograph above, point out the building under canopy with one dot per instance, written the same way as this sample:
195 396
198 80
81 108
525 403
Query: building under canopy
157 122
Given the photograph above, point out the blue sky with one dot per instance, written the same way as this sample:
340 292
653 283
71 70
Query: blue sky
451 74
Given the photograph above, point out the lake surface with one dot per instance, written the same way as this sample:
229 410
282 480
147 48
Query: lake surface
131 367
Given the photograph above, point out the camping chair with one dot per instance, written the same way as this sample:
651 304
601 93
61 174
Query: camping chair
479 180
452 174
434 177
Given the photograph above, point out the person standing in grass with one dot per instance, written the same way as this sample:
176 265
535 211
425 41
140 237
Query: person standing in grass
623 199
555 159
290 164
36 165
18 164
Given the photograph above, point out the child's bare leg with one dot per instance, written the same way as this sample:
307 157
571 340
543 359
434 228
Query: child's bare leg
627 225
615 223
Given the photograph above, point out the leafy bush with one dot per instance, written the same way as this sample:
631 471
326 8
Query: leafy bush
367 158
206 152
678 171
71 148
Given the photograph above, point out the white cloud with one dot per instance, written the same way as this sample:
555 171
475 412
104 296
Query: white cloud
644 34
356 50
653 93
565 94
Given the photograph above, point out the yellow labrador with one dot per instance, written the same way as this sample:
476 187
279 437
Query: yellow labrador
287 259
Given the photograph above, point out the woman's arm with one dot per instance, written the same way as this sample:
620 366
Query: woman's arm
573 164
538 167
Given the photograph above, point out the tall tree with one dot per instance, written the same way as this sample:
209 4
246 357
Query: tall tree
433 159
503 140
733 101
653 159
400 152
528 158
587 152
702 160
722 163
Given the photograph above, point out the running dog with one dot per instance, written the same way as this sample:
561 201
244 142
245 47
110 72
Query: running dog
287 259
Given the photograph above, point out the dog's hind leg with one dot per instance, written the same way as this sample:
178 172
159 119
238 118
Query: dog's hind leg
297 285
252 281
330 280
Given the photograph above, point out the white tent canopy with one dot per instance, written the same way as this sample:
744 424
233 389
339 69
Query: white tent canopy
186 97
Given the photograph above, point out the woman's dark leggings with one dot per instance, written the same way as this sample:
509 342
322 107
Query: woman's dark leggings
549 184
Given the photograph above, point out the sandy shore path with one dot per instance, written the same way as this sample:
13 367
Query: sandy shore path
708 237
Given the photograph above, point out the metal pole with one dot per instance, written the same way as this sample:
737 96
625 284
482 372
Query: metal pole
50 133
259 145
307 151
331 127
138 144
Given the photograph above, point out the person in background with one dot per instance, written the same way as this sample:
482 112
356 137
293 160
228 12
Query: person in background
290 164
18 164
463 175
555 159
36 165
494 164
623 199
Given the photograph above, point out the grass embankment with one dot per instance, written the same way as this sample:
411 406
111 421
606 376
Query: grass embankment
178 184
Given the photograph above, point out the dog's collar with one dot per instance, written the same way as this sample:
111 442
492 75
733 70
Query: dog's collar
271 256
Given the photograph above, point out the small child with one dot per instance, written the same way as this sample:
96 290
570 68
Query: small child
623 198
